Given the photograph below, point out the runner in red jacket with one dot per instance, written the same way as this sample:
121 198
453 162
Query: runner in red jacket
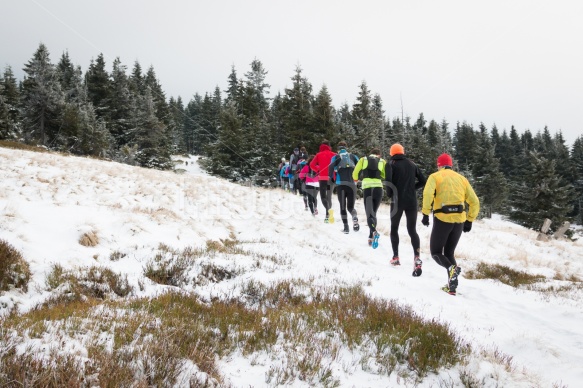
320 164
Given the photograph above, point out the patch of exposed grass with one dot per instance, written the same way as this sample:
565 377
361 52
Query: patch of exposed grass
14 270
181 267
170 266
503 274
21 146
90 282
154 342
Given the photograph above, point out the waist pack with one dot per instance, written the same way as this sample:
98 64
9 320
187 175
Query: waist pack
448 209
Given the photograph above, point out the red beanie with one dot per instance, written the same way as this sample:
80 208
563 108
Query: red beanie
444 160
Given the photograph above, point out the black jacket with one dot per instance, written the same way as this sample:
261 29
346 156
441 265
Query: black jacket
406 178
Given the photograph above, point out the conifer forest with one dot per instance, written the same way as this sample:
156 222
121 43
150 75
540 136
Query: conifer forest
242 133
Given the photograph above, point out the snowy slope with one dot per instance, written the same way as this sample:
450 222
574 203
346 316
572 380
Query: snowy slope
48 201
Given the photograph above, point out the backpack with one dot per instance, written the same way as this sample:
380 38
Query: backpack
346 161
372 169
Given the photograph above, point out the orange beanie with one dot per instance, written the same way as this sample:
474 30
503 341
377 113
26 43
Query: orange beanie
397 149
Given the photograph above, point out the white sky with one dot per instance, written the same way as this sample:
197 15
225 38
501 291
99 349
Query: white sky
505 62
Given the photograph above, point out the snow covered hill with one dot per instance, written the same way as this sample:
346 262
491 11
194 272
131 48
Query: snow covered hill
48 202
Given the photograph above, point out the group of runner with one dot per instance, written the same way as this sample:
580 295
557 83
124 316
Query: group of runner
446 193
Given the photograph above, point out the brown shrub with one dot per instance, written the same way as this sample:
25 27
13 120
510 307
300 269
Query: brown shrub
14 271
89 239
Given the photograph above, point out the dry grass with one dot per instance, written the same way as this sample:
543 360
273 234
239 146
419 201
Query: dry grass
14 270
164 340
21 146
89 239
503 274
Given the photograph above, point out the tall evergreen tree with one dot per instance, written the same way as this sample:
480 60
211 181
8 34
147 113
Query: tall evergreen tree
98 87
346 129
490 184
42 99
324 124
137 83
540 194
233 89
9 105
225 150
82 132
120 109
154 142
193 130
365 125
176 125
577 163
158 95
66 73
298 108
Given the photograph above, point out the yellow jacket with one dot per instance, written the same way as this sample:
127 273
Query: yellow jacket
367 183
447 187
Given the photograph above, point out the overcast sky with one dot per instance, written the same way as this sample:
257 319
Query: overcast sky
502 62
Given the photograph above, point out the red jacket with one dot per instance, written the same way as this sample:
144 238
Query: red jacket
322 161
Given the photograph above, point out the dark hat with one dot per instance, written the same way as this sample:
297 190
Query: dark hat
296 149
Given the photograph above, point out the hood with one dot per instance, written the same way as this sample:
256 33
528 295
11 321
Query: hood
325 147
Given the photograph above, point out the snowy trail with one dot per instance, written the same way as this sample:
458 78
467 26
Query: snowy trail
48 201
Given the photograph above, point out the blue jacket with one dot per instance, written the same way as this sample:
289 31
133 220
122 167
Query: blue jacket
282 171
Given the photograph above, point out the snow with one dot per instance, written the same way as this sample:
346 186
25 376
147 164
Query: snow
48 201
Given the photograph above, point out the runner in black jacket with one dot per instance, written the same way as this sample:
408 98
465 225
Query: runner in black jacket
406 178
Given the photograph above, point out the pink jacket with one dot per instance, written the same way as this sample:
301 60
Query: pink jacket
304 175
322 160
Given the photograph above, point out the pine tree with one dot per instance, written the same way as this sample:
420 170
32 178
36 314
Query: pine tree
66 73
365 125
136 79
82 132
540 194
120 105
225 150
10 120
5 132
42 99
577 163
154 142
466 146
346 128
298 111
490 184
176 125
233 89
98 86
158 95
192 126
324 123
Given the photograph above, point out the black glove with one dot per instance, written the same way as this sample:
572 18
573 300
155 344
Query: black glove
425 220
467 226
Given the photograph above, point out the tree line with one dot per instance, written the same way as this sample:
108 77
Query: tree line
242 132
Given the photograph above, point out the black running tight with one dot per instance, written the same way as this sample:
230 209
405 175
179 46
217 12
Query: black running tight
443 241
372 201
411 215
346 195
326 188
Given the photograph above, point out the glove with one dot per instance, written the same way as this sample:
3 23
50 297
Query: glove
467 226
425 220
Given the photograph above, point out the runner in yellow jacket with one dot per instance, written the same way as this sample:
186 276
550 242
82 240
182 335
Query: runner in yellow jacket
446 193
